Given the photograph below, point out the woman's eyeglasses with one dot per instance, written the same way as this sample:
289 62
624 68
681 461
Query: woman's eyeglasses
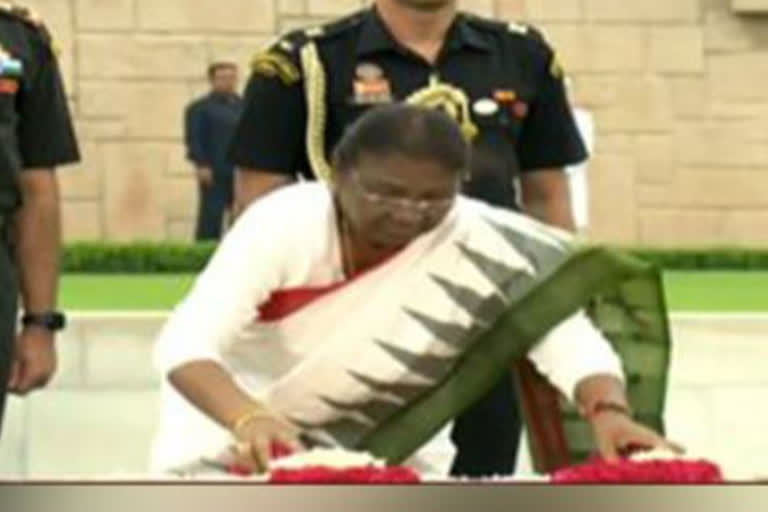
393 202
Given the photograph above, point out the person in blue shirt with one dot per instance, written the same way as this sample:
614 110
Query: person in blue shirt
210 122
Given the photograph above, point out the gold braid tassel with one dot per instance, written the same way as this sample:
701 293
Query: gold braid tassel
444 96
452 100
315 91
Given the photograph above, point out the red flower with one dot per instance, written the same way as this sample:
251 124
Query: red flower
647 472
238 470
278 450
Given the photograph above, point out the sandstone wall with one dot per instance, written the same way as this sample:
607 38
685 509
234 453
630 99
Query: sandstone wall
677 88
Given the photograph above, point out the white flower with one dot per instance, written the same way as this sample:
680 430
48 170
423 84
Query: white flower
335 458
658 454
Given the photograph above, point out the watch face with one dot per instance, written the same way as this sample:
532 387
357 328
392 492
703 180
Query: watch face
57 321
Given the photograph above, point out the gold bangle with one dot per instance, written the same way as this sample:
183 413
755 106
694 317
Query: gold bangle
253 413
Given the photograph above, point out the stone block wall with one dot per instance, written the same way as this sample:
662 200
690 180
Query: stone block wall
676 88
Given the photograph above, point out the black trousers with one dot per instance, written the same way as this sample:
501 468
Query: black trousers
487 435
214 202
8 310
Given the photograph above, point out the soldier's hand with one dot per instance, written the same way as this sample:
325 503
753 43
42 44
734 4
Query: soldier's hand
205 176
34 362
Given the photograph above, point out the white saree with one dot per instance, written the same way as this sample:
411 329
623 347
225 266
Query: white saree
339 357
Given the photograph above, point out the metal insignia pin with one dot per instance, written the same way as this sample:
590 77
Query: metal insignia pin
485 107
367 71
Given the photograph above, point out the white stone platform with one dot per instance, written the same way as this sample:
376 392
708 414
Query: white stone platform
97 417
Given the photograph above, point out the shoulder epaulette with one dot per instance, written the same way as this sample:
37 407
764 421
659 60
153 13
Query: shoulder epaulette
495 25
511 27
536 33
280 57
292 41
275 63
519 28
539 39
483 23
27 16
529 32
333 28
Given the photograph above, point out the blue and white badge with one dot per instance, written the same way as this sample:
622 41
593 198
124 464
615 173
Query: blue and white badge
10 66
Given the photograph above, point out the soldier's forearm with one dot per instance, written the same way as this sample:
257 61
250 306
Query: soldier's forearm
252 184
38 240
547 197
553 211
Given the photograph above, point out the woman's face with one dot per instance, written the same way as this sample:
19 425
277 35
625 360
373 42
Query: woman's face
391 200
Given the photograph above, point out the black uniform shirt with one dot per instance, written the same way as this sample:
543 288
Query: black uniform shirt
35 125
509 73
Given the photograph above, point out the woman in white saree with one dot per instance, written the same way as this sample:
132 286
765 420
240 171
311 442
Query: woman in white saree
329 308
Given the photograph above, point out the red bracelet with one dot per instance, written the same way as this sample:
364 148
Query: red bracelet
604 406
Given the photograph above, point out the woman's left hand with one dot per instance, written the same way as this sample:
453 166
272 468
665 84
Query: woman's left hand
616 434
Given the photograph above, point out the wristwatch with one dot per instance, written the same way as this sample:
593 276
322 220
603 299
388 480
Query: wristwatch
51 320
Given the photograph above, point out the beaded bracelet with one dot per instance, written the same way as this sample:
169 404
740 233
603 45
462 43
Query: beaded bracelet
606 406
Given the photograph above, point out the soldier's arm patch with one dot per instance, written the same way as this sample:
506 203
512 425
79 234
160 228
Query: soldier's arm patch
286 45
556 67
537 34
273 63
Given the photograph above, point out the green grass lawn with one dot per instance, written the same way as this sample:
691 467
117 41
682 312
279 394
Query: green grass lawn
686 291
122 292
717 291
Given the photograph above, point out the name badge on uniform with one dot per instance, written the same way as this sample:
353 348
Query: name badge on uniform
370 86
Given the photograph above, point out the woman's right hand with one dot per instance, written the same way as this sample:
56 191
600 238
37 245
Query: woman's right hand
259 435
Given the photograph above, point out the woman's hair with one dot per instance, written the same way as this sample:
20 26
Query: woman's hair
403 130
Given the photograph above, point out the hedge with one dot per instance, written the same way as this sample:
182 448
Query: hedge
190 258
138 258
706 259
